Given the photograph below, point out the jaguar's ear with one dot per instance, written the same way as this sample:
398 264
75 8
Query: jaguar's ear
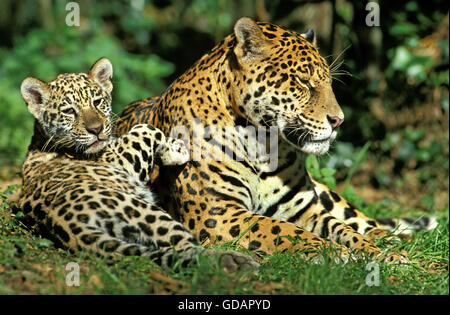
251 42
102 72
35 93
310 36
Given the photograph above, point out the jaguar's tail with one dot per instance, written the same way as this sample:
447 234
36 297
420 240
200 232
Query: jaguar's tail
408 225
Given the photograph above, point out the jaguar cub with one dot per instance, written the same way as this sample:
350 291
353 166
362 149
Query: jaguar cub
86 190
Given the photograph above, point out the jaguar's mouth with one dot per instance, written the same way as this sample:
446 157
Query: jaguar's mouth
303 140
297 136
319 141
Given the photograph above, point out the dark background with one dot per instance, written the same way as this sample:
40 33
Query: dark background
394 141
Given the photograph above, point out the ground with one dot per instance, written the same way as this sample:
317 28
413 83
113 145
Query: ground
32 265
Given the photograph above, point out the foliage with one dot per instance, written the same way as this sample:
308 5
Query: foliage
399 69
394 138
46 52
324 175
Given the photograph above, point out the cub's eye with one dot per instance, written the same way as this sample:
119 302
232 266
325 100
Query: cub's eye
68 111
97 102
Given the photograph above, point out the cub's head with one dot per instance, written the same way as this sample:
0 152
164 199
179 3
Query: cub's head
74 110
281 80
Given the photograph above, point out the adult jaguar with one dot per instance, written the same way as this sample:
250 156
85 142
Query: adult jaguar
86 190
262 75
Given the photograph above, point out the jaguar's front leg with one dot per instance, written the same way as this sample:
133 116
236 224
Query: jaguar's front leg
226 222
215 213
342 210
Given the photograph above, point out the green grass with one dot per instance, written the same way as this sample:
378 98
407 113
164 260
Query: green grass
32 265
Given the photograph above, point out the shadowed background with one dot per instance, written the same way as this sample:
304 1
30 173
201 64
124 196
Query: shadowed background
393 146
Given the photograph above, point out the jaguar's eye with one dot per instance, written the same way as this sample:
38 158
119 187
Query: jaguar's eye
304 82
68 111
98 102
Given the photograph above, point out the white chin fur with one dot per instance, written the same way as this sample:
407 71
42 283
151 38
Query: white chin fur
316 148
96 147
319 148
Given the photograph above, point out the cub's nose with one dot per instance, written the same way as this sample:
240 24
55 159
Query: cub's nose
95 130
335 121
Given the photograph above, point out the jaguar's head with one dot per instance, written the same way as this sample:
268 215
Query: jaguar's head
73 110
281 80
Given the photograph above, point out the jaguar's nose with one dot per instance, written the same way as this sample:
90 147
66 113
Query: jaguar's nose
335 121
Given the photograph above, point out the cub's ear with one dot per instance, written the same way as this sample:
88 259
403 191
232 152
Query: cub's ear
101 72
310 36
251 42
35 93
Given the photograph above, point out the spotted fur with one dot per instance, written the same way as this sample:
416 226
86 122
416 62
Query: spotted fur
261 75
86 190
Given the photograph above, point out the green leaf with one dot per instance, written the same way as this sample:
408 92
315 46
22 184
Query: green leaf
407 150
359 159
330 182
403 29
312 163
423 155
382 177
315 173
402 58
19 215
414 135
349 194
327 172
44 243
